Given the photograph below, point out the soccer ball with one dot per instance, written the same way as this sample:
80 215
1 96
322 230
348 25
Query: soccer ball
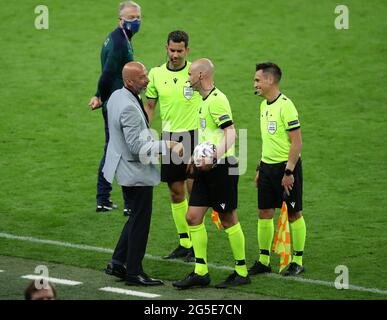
206 151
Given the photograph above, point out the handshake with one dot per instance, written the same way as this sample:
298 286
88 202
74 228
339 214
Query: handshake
176 147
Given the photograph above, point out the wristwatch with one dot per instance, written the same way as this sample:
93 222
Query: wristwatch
288 172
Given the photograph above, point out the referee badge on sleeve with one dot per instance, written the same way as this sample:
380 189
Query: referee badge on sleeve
187 92
272 127
292 123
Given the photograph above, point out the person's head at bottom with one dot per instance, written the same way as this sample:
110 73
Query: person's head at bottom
47 292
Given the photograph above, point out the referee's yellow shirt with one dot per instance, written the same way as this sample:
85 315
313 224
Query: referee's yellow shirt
178 103
277 118
214 115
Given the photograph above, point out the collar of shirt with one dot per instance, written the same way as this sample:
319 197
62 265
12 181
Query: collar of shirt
125 33
138 98
271 102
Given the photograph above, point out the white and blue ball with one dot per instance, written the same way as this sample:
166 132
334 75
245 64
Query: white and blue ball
206 151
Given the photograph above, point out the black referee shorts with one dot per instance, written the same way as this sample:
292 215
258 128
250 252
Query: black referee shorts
216 188
271 192
173 167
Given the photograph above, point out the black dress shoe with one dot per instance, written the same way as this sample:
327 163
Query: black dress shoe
193 280
142 280
117 270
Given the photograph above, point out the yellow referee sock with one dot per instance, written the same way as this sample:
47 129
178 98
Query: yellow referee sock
237 243
265 238
298 229
199 242
179 211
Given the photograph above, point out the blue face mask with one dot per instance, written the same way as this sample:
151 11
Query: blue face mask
132 25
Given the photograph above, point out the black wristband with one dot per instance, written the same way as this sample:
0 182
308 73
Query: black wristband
288 172
257 169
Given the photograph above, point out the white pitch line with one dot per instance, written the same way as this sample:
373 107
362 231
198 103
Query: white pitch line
130 292
214 266
325 283
1 270
55 243
54 280
93 248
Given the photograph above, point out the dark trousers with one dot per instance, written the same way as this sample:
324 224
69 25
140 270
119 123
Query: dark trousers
104 187
134 236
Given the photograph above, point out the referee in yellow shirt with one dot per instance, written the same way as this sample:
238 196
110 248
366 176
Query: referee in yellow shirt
216 183
169 87
279 174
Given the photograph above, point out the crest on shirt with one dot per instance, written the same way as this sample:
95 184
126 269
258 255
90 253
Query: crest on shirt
272 127
187 92
202 123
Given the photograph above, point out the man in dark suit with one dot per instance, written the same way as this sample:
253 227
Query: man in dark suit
131 157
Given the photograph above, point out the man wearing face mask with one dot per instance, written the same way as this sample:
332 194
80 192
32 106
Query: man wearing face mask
116 51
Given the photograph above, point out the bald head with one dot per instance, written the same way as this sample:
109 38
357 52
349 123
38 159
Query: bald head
203 65
134 75
131 70
201 76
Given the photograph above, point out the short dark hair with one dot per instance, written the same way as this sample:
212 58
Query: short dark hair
178 36
270 67
31 289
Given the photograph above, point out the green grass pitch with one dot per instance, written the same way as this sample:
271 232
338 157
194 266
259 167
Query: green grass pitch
51 143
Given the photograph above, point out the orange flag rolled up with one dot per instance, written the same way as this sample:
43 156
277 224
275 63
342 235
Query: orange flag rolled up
215 219
282 245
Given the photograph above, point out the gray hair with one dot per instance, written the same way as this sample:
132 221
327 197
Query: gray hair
126 4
